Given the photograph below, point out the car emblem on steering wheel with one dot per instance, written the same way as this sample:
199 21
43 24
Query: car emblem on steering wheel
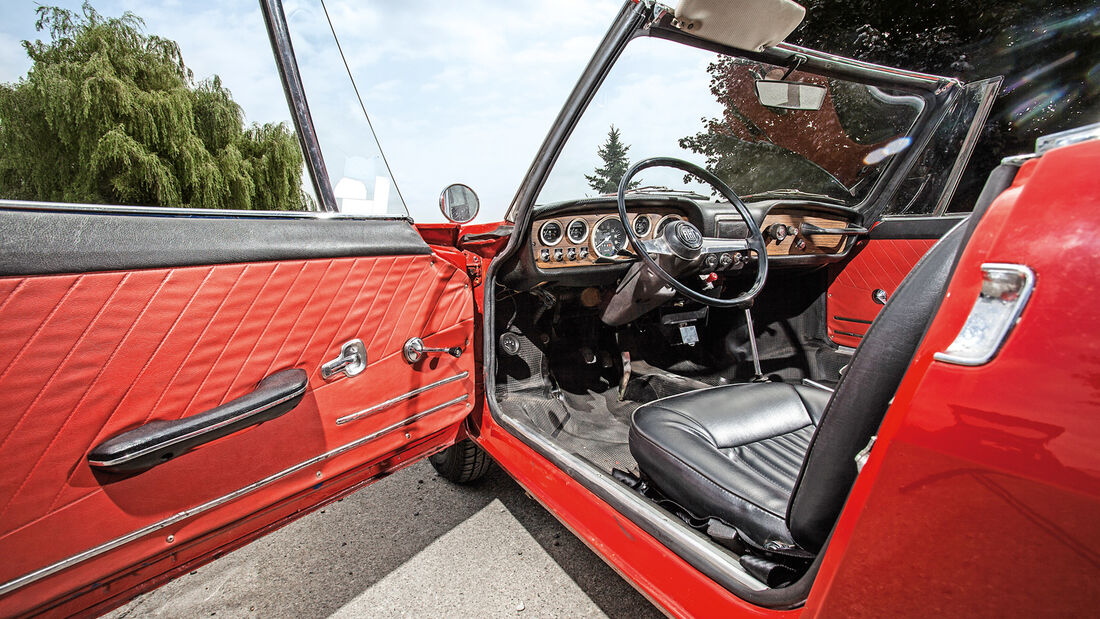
689 235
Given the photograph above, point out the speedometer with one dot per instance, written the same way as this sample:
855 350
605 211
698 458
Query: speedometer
609 238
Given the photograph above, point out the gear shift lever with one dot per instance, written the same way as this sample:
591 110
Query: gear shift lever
759 376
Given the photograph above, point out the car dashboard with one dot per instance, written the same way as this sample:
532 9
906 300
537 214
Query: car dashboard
585 241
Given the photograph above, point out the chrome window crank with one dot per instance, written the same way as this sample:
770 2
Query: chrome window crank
415 350
352 361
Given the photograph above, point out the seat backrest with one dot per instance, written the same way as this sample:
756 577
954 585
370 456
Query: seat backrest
864 392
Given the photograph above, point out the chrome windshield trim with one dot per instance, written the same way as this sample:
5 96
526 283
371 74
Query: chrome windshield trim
932 79
53 568
397 400
115 209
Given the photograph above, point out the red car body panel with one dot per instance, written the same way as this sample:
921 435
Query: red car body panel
85 357
876 264
981 494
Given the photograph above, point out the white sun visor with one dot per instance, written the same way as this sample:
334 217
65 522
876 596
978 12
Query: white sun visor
745 24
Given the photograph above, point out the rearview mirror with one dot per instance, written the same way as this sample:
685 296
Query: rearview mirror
790 95
459 203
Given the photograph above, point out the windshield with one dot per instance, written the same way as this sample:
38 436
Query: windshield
667 99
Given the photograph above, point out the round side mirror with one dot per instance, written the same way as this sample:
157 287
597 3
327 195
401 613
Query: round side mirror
459 203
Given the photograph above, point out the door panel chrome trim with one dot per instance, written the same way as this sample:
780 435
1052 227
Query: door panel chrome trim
41 573
401 398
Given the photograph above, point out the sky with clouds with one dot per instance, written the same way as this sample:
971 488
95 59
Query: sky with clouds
458 92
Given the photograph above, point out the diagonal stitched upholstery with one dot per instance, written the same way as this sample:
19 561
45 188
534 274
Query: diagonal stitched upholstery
86 356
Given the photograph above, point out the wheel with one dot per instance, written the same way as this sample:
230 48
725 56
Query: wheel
683 247
462 462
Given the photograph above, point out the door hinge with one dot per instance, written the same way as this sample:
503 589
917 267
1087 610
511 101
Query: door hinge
473 267
864 454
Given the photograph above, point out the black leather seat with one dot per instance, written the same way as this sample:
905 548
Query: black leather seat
775 461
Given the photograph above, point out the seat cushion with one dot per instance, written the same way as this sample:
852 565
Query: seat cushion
731 452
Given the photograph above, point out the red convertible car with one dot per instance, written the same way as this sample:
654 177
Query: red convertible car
801 387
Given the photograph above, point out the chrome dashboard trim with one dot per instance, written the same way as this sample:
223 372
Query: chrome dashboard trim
91 553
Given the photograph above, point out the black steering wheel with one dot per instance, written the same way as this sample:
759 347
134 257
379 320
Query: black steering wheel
683 243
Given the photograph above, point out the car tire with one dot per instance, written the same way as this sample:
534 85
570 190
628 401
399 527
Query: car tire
462 463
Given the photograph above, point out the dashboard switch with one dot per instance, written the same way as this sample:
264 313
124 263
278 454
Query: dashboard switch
544 255
583 253
558 255
571 253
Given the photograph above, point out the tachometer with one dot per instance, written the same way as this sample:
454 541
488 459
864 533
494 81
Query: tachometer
577 231
550 233
609 238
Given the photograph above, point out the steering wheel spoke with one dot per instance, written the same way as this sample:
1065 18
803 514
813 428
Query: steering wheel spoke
657 247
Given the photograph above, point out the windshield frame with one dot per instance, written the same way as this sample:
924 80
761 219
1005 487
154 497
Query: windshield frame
636 20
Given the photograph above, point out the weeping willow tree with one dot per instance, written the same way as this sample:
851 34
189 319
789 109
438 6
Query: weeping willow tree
110 114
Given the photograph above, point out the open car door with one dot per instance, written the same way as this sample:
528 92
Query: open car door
177 382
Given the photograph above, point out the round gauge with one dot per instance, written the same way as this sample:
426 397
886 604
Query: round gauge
641 225
609 238
577 231
550 233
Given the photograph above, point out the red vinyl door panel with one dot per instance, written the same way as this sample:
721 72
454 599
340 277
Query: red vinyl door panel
879 262
84 357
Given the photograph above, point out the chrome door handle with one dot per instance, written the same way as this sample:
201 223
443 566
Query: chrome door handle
415 350
352 361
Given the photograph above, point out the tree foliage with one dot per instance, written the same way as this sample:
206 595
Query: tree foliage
1045 49
110 114
605 178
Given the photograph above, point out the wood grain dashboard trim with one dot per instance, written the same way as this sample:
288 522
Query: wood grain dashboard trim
799 244
584 254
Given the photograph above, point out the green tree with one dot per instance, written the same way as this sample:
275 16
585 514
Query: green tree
110 114
605 178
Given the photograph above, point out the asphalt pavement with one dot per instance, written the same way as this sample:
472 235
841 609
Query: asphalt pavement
411 545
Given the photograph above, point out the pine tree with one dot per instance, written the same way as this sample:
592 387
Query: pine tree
109 114
615 163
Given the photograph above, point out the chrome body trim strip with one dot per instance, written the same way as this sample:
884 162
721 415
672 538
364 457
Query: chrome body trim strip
53 568
200 431
401 398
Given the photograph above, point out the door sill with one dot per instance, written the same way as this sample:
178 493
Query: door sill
717 563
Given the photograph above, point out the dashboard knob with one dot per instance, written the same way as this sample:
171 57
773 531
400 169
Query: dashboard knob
777 232
558 255
544 255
